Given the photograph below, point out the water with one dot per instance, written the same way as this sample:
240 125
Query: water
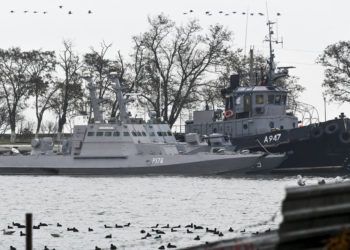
241 203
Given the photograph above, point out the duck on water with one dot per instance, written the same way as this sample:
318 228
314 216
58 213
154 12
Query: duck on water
128 146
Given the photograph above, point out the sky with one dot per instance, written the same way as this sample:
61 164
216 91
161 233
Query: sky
307 27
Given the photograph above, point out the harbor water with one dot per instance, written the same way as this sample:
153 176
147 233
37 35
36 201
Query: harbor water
247 204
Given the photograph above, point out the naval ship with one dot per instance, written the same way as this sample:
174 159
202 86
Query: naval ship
129 146
256 117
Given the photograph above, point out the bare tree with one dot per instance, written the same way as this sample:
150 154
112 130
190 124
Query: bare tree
336 60
4 122
99 67
15 84
43 88
174 59
69 91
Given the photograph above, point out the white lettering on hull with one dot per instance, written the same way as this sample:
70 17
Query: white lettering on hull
272 138
157 160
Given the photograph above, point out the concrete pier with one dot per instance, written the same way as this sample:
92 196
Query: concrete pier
314 217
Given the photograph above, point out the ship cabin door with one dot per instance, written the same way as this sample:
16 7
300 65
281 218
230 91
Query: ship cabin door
247 104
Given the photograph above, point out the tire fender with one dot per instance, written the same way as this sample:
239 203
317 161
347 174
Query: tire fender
331 128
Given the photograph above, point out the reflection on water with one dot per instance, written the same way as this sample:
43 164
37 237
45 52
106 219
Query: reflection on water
240 203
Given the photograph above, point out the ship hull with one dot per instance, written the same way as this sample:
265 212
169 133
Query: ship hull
327 144
200 164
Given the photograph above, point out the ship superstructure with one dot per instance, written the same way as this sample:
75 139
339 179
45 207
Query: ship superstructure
259 107
257 117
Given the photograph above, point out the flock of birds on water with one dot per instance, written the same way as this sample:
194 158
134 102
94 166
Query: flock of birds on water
302 182
153 232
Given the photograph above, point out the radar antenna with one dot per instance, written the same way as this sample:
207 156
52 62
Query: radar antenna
272 67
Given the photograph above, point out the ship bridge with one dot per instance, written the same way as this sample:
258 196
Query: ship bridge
256 101
249 110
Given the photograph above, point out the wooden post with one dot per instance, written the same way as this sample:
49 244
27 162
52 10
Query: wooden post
29 235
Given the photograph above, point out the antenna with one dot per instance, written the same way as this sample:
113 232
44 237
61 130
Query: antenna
251 65
271 62
246 32
267 13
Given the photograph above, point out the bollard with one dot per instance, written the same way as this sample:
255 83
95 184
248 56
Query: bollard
29 235
315 216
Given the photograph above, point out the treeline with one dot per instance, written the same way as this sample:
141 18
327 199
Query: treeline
172 67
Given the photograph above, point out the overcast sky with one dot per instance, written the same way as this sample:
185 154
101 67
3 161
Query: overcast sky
307 27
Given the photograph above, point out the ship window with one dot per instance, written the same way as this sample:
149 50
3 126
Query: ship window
91 134
99 134
272 124
163 133
152 134
116 133
159 133
278 99
284 99
238 100
169 133
139 133
133 133
271 99
108 133
126 134
143 133
259 99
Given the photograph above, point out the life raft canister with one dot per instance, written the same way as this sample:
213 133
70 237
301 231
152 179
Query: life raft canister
228 113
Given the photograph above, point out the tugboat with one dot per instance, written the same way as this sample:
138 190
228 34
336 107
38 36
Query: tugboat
256 117
127 146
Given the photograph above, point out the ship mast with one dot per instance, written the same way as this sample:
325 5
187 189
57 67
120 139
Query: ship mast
272 67
94 102
123 113
251 67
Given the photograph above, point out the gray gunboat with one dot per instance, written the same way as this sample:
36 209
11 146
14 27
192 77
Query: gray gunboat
128 146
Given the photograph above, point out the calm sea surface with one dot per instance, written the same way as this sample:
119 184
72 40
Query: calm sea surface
241 203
